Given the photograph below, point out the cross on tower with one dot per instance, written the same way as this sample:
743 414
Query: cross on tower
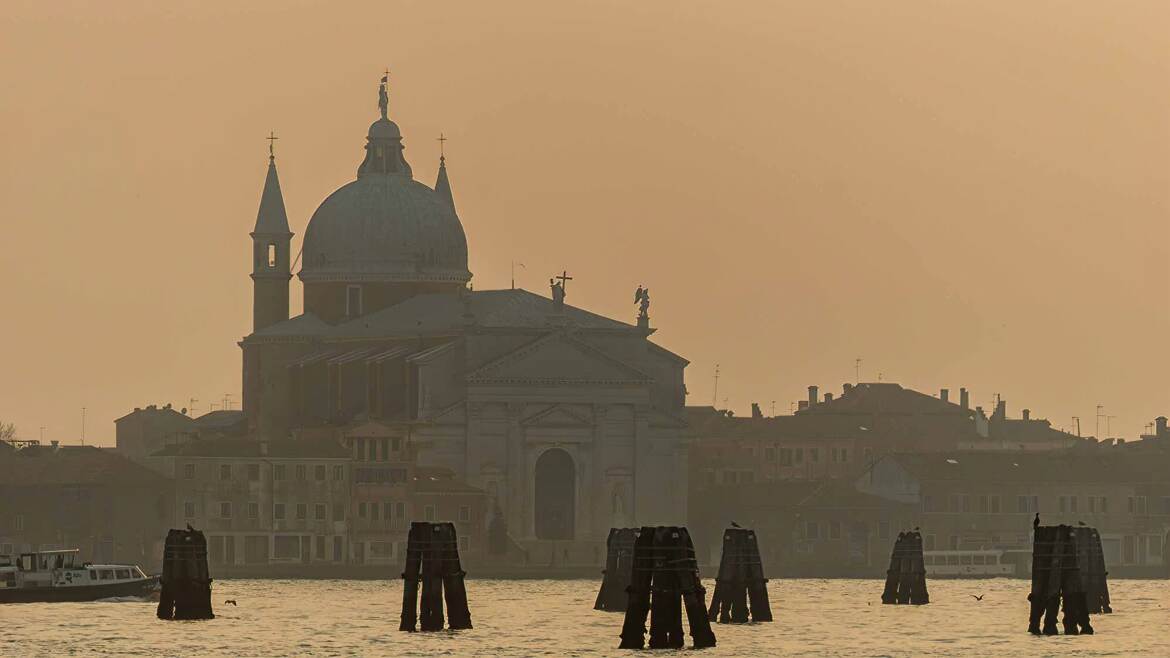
271 143
441 138
564 278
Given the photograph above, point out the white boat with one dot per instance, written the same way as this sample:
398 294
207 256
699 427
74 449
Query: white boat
56 576
987 563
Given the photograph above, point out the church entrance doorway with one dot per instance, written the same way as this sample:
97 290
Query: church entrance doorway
556 484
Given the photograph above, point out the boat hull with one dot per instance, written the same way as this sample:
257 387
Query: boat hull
143 587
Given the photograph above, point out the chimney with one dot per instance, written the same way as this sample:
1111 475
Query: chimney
944 394
847 388
964 399
756 413
1026 413
802 405
812 396
828 397
56 445
1160 427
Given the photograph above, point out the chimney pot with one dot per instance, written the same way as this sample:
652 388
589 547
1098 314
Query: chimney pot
847 388
828 397
964 399
1160 424
944 394
803 404
1027 414
812 395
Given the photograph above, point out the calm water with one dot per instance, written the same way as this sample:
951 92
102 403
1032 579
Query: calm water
532 618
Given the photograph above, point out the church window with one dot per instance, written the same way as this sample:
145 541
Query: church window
353 301
271 254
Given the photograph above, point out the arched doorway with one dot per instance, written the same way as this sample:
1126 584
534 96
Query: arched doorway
556 484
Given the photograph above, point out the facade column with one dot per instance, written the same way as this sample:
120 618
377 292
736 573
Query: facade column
516 474
599 506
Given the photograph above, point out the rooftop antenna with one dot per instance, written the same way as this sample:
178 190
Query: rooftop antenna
83 426
1097 427
1077 422
514 264
42 433
715 392
857 370
773 408
191 406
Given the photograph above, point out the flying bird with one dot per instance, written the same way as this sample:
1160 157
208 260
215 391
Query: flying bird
231 601
977 598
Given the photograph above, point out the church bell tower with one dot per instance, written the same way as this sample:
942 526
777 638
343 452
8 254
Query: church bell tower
271 242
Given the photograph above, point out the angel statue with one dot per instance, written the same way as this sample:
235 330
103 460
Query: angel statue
642 299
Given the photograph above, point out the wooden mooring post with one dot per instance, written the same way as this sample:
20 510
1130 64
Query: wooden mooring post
1056 578
432 560
740 584
906 577
1094 577
619 567
186 582
665 580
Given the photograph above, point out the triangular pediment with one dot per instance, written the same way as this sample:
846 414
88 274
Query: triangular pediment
557 416
558 359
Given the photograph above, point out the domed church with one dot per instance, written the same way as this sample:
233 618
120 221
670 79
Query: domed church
571 422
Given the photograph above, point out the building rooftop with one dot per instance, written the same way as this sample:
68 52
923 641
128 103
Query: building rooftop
71 465
250 449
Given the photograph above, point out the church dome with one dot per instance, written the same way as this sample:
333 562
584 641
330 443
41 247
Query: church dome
388 228
385 226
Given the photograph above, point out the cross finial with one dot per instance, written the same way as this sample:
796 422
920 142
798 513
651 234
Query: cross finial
441 139
271 144
564 278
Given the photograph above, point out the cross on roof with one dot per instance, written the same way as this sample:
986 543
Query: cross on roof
564 278
441 138
271 142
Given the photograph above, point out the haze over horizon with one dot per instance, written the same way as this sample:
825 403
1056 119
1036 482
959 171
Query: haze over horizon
967 196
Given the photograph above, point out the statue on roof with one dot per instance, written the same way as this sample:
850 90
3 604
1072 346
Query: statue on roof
642 299
558 292
383 97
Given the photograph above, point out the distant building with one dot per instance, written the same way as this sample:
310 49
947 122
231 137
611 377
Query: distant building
264 503
570 421
146 430
833 437
84 497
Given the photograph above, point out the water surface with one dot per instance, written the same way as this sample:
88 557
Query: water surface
555 618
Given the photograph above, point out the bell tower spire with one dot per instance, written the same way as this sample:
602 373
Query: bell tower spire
271 243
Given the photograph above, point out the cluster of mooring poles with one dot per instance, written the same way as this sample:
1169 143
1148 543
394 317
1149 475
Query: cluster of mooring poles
432 556
906 577
186 582
619 568
740 580
652 571
665 579
1064 564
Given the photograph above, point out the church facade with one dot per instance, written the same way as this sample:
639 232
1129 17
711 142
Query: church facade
570 422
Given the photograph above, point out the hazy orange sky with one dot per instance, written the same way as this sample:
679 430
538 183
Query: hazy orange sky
961 194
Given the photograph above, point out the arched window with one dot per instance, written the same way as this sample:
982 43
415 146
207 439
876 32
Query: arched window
271 254
619 499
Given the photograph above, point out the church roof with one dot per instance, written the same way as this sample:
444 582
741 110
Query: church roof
503 309
271 219
305 324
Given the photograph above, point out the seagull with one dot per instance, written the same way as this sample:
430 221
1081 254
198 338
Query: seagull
977 598
735 525
1080 523
231 601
